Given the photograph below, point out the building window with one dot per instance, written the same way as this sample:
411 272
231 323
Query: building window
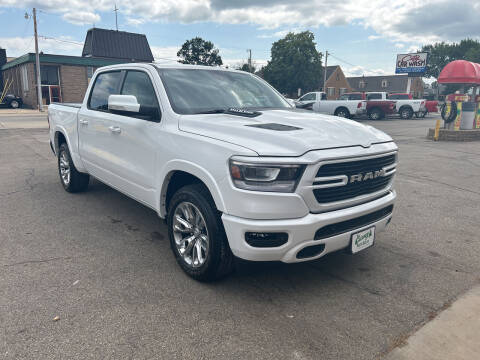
338 77
49 75
330 91
384 83
24 77
343 91
361 84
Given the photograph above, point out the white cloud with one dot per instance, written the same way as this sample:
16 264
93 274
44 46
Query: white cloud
17 46
398 21
165 54
399 45
360 70
82 18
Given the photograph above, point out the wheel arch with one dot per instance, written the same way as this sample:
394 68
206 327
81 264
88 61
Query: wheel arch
179 174
406 106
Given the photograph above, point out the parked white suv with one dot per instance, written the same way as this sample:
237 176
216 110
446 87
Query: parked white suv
234 169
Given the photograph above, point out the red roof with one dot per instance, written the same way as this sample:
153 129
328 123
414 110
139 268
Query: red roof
460 72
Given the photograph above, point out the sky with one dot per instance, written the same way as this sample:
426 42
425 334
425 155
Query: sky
363 36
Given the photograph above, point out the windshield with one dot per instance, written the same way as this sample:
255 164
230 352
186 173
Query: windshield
193 91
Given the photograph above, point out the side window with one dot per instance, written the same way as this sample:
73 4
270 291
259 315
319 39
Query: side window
105 85
138 83
374 96
308 97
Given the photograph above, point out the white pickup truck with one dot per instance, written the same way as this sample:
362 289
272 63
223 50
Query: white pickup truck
405 107
317 101
232 167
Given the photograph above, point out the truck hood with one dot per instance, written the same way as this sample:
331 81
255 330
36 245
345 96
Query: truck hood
288 132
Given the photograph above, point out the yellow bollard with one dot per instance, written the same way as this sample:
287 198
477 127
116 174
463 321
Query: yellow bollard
437 130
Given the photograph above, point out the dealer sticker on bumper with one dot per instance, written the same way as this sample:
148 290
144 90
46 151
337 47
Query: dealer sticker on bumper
363 239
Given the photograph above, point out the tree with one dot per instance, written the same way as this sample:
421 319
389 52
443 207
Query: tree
247 68
440 54
199 52
295 63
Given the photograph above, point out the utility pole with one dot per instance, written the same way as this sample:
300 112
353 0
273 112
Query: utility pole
249 60
37 62
325 73
116 20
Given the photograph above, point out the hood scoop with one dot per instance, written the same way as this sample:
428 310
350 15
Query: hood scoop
276 127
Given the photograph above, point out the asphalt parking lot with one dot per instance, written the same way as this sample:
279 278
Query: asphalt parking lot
101 262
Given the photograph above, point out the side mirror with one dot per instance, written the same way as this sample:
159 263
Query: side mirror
123 103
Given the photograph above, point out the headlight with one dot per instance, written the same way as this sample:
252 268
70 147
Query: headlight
265 177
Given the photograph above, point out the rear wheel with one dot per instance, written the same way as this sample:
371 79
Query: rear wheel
14 104
72 180
420 114
197 236
375 114
342 112
406 113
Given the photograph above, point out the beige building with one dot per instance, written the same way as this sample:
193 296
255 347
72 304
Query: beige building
336 84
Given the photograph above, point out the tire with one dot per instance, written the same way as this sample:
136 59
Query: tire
405 113
342 112
209 257
14 104
72 180
453 112
421 114
375 114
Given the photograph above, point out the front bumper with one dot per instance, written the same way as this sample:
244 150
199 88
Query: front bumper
301 232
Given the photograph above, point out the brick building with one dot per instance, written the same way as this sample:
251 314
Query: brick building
388 83
65 78
336 84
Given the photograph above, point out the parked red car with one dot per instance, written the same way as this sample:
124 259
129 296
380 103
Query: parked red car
376 110
430 105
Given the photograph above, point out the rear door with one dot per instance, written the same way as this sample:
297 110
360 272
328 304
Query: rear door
95 138
119 148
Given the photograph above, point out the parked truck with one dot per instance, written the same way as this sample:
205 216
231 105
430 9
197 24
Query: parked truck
317 101
406 108
232 167
376 110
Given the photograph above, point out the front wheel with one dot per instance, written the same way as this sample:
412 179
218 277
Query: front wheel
197 236
72 180
14 104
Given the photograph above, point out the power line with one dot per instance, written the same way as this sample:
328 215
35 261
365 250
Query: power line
61 40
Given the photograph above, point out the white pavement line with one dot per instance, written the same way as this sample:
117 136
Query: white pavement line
453 334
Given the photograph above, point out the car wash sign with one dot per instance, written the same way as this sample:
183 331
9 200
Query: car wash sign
413 64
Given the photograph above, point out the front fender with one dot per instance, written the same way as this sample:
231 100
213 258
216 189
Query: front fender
193 169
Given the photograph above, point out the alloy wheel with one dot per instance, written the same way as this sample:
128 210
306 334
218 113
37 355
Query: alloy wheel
190 234
64 168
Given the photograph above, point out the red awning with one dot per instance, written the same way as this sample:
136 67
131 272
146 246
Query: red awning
460 72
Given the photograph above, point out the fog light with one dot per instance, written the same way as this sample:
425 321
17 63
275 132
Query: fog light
266 239
310 251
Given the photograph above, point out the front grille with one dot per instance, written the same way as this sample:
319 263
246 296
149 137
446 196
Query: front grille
352 168
352 224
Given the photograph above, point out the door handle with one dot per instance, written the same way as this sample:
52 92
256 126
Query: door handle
115 129
83 122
